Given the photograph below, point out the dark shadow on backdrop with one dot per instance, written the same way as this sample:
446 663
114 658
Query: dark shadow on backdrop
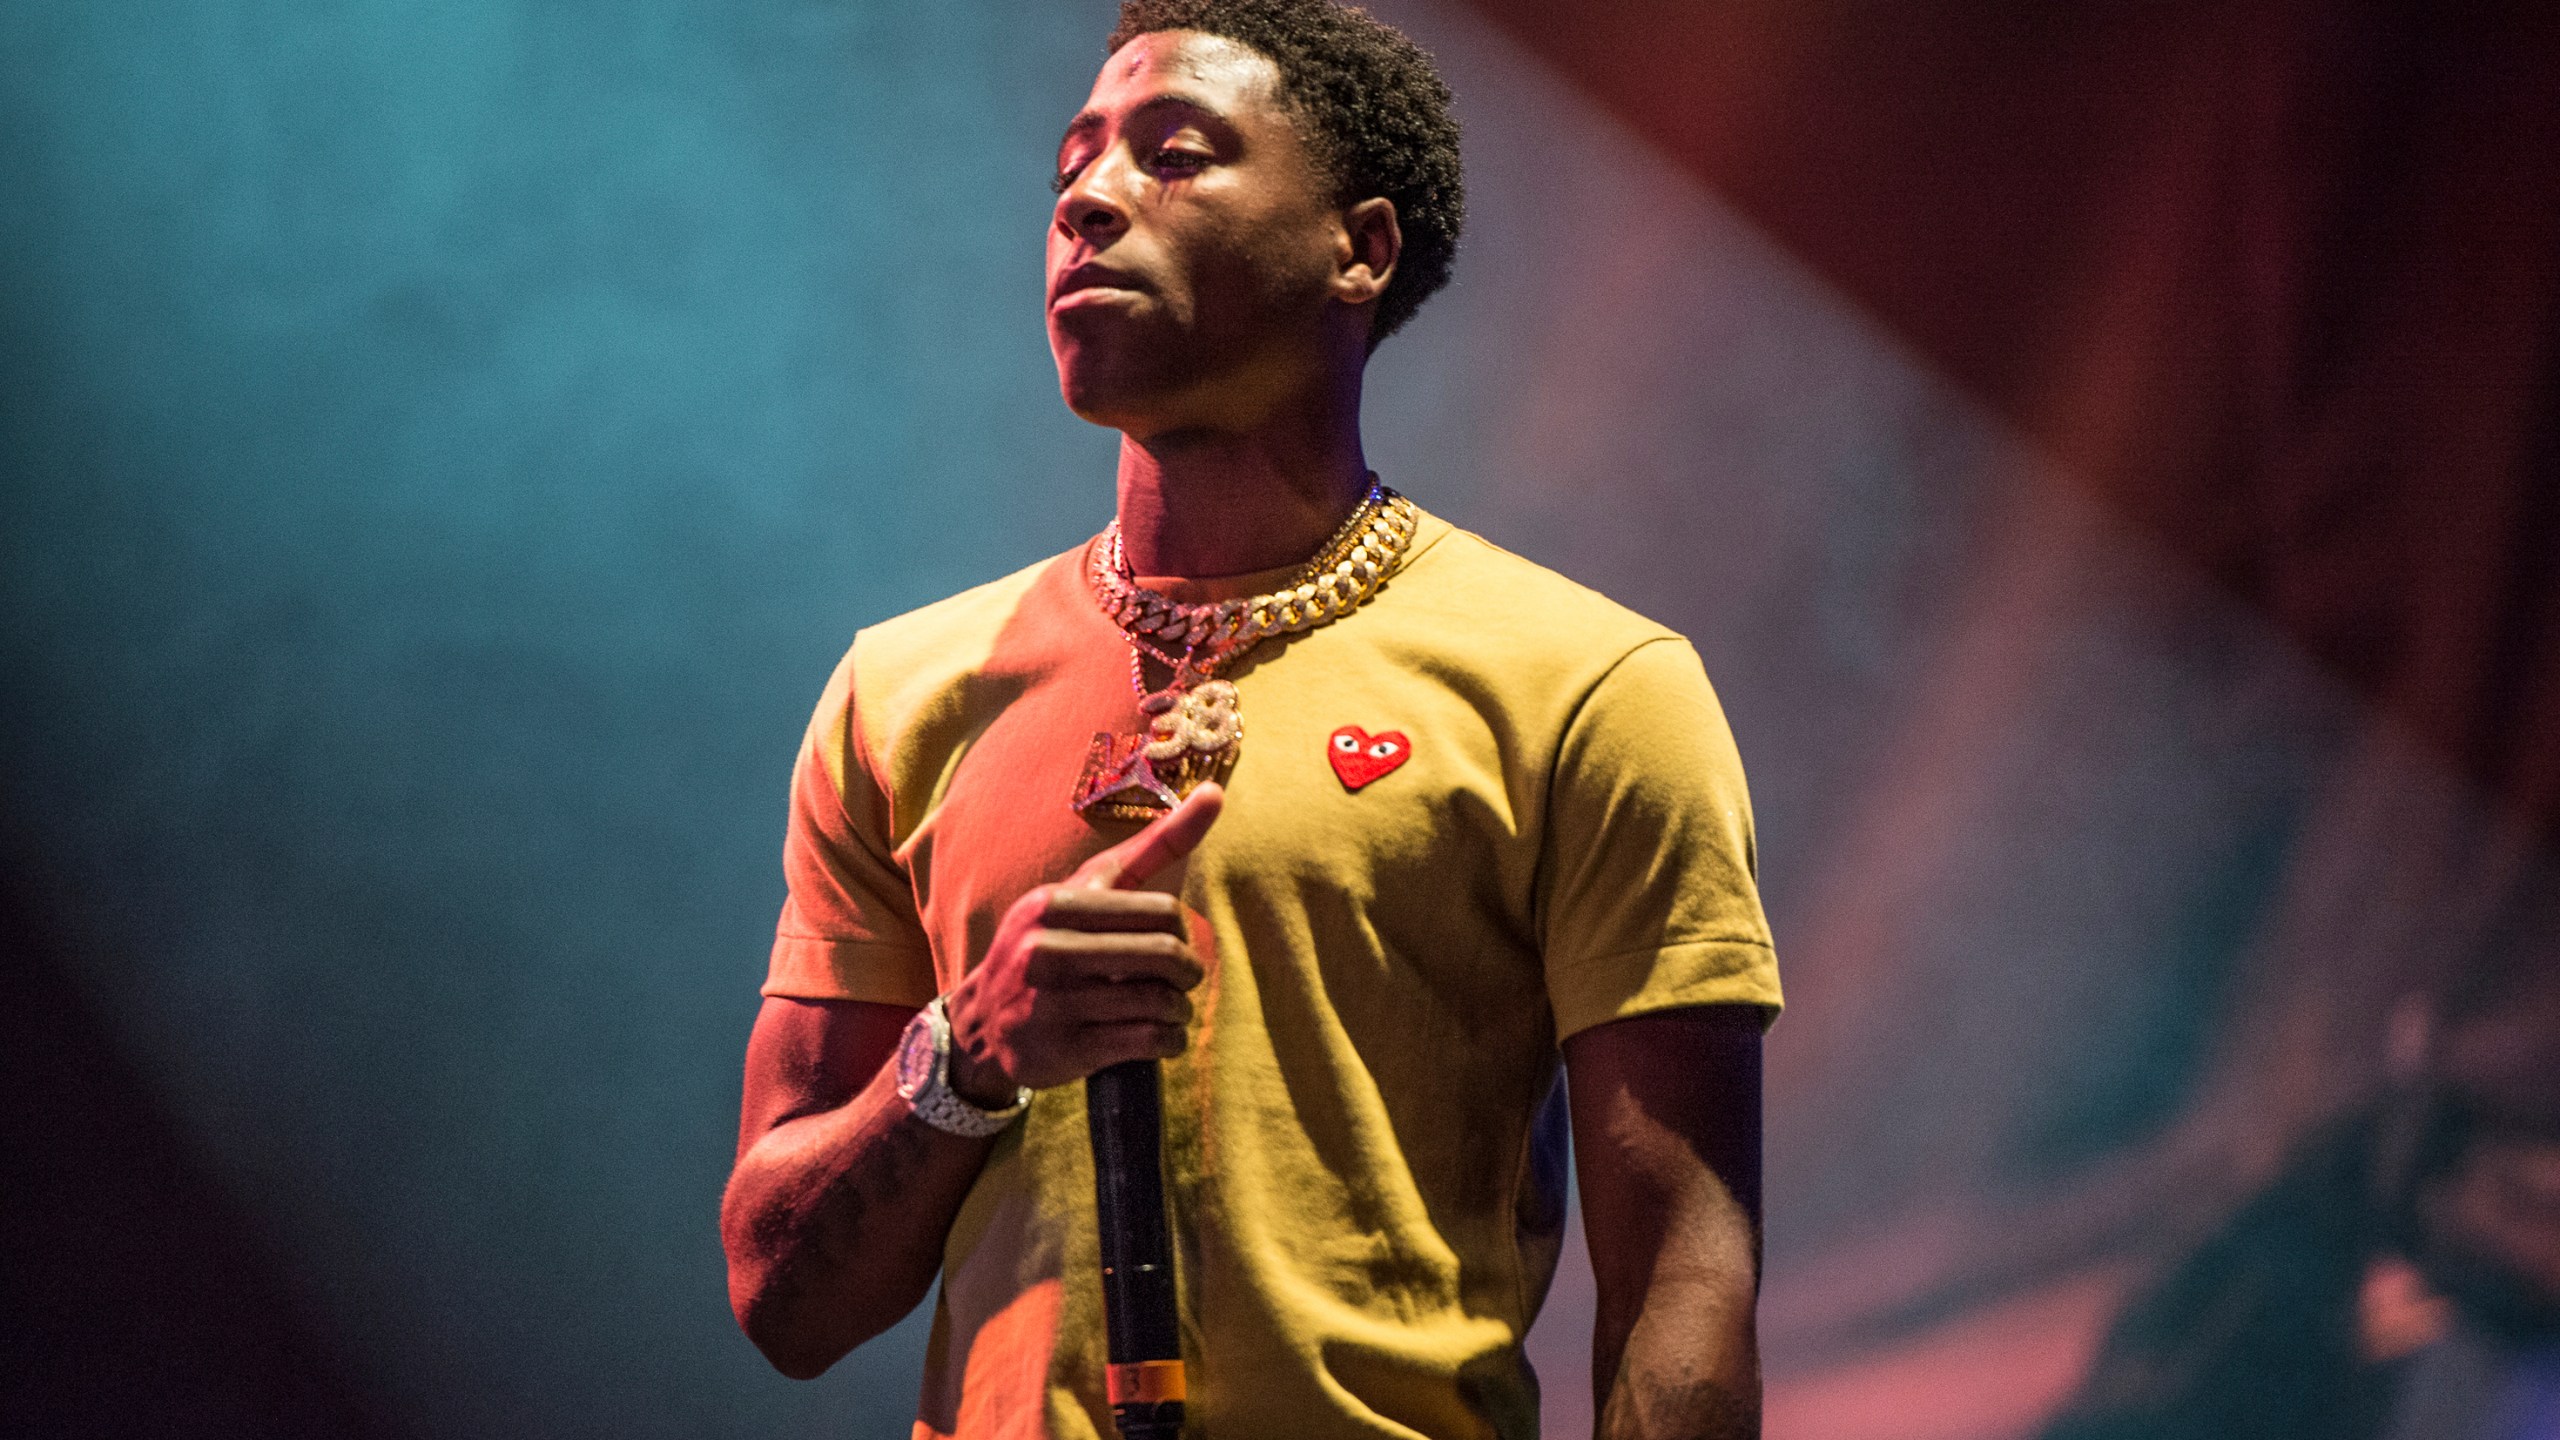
142 1301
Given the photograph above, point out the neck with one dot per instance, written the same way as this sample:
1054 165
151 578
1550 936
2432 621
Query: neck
1200 502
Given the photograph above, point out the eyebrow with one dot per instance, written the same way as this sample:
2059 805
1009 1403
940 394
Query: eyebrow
1086 122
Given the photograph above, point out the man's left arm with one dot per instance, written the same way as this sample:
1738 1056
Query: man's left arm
1666 1144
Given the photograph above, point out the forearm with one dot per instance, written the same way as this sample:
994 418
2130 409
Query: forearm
834 1224
842 1200
1666 1138
1679 1359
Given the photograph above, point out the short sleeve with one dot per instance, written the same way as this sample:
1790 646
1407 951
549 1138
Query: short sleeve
1647 894
849 929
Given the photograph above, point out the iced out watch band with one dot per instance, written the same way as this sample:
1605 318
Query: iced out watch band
924 1080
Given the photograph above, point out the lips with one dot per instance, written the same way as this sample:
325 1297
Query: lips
1090 276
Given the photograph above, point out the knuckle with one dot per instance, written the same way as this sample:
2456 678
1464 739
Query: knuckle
1079 943
1040 954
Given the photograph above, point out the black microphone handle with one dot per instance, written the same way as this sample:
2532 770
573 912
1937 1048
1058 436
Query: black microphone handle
1124 1107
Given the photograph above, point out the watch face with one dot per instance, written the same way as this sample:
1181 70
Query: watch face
915 1057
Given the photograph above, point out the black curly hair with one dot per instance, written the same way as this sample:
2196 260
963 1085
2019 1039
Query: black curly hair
1371 108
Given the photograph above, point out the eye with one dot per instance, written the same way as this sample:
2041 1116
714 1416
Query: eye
1346 744
1382 750
1059 182
1180 163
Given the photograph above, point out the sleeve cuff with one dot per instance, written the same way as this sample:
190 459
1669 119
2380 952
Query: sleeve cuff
807 968
1603 988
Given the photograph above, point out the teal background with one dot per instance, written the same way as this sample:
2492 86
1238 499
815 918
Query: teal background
444 449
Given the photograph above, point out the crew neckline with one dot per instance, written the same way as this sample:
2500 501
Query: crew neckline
1209 589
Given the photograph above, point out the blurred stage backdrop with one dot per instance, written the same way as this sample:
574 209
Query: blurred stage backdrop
2105 454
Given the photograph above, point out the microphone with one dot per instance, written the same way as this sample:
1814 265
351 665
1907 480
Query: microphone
1124 1107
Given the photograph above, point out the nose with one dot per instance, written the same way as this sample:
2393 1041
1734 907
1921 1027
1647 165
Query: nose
1088 209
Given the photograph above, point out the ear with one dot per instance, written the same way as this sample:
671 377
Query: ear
1365 259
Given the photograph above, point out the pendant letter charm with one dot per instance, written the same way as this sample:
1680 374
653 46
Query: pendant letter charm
1191 736
1119 780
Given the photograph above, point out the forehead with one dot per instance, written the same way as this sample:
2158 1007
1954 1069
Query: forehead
1228 77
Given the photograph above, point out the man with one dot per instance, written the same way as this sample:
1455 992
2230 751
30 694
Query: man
1349 817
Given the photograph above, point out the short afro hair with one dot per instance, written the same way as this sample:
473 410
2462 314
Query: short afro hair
1372 109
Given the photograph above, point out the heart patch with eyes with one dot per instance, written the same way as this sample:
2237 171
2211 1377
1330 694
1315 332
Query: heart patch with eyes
1359 757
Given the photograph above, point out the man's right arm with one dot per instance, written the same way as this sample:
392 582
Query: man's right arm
836 1212
842 1197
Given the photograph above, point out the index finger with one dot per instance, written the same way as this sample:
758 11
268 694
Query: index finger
1170 836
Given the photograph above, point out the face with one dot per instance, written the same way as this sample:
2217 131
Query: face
1197 266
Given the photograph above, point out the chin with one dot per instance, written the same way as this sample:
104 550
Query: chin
1087 392
1105 393
1101 405
1094 412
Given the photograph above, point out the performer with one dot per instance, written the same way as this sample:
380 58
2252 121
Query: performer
1356 821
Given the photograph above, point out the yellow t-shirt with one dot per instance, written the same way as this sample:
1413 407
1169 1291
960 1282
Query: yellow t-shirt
1361 1152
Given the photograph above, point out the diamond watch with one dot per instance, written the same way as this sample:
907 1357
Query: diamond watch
924 1080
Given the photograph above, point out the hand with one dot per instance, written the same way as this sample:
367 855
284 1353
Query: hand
1084 973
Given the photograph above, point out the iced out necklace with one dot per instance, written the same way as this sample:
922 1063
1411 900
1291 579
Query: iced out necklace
1193 730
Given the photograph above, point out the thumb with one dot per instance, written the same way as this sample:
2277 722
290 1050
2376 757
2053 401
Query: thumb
1170 836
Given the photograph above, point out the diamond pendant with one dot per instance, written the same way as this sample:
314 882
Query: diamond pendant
1192 736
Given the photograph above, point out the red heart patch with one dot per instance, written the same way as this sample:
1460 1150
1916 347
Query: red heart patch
1359 757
